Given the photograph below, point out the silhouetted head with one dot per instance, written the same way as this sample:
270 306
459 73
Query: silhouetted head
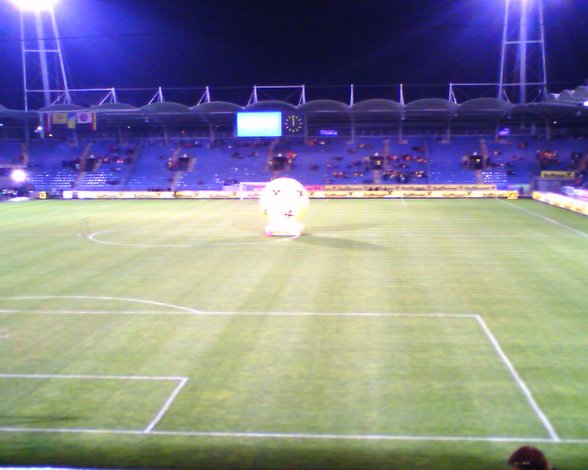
528 458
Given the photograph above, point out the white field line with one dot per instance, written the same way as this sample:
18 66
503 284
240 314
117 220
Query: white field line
93 237
182 381
94 312
90 377
574 441
538 412
185 310
180 310
296 436
237 314
166 406
93 297
546 219
404 202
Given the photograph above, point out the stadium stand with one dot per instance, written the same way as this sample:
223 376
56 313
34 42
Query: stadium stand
11 153
110 168
205 164
151 170
169 146
446 159
48 168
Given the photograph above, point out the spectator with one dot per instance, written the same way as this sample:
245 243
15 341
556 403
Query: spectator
528 458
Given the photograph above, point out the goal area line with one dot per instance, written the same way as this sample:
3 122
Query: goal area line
181 381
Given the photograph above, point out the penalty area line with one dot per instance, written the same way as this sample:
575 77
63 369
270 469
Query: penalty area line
182 380
236 314
181 310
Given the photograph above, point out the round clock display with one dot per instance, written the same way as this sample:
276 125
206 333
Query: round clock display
293 123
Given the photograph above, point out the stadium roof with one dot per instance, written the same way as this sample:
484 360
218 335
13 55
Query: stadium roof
487 106
166 107
431 108
270 105
217 107
114 107
60 108
377 106
324 106
568 104
569 97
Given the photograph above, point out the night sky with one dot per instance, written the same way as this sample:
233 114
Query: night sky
326 44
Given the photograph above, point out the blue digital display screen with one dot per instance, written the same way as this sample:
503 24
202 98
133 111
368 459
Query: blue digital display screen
261 124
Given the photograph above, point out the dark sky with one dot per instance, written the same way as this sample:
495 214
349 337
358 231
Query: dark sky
326 44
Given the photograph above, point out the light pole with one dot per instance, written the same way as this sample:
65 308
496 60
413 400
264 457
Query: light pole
522 74
43 68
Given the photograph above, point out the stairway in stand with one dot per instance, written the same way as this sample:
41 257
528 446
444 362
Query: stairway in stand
495 176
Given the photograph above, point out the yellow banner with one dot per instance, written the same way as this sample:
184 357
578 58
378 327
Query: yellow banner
118 194
569 203
410 187
413 194
313 194
558 175
216 195
59 118
72 121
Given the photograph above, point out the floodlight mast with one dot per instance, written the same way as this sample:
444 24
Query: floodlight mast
43 67
35 5
522 75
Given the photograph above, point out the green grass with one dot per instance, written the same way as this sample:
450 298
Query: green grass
274 337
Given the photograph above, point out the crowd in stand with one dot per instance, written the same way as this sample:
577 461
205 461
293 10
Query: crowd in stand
15 160
336 160
397 168
390 167
579 164
400 168
116 157
547 159
496 161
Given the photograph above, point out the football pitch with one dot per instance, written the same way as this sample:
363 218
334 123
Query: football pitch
413 334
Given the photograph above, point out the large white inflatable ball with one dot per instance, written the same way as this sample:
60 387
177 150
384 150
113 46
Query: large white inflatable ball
284 202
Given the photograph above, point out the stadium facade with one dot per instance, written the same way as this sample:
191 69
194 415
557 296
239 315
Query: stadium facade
564 113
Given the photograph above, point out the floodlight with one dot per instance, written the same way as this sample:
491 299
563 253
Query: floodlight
585 104
35 5
18 176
